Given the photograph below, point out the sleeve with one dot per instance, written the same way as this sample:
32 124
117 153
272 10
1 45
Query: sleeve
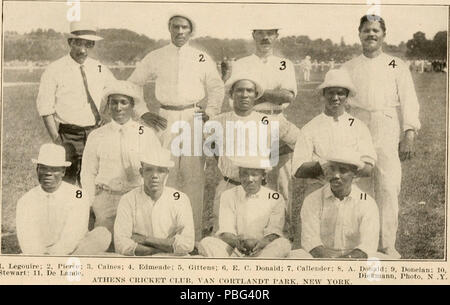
184 241
90 166
310 220
214 88
108 75
369 228
140 76
288 132
365 143
408 99
123 227
276 220
28 232
303 151
75 228
227 215
46 99
289 82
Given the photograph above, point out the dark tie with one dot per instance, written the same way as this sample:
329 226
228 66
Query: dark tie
90 100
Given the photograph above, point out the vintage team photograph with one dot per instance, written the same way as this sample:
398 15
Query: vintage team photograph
224 130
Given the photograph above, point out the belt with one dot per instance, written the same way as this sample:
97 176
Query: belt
271 112
74 128
231 181
179 108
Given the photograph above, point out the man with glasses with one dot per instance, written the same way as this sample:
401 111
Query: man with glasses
70 94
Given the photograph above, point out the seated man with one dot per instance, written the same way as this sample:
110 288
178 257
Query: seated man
250 130
339 220
110 165
334 128
251 217
52 218
153 218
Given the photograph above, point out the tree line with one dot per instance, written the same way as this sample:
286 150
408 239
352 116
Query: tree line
128 47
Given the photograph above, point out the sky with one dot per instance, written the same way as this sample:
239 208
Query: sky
231 20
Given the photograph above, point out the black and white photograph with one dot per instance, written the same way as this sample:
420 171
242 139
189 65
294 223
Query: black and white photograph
235 131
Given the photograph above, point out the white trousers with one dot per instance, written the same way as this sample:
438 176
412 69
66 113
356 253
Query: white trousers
215 247
384 127
188 174
96 241
105 209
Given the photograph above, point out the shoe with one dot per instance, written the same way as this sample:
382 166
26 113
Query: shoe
392 253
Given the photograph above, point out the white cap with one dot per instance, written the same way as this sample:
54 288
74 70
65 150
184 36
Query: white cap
52 155
338 78
121 87
247 75
264 25
154 154
183 15
347 156
84 30
255 162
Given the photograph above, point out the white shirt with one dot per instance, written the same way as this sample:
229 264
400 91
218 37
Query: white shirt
52 223
62 90
165 218
253 216
340 225
183 76
287 132
102 157
273 71
323 135
380 87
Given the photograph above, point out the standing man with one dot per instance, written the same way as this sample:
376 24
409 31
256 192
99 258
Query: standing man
280 88
153 218
386 102
70 95
188 87
111 162
306 67
52 218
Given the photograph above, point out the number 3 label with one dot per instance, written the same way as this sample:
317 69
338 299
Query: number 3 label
283 65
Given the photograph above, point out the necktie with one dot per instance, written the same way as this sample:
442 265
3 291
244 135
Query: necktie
90 100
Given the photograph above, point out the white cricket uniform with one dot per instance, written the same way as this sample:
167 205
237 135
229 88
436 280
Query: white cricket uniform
167 217
339 226
110 166
386 102
183 76
321 136
57 223
252 216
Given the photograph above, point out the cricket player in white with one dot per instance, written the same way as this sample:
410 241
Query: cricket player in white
52 218
188 87
110 166
251 218
386 102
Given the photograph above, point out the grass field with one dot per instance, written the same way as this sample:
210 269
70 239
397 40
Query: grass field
421 232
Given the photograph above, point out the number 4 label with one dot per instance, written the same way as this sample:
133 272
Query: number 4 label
393 64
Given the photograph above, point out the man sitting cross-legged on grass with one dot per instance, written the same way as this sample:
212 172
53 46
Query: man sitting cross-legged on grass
251 217
52 218
339 220
153 218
